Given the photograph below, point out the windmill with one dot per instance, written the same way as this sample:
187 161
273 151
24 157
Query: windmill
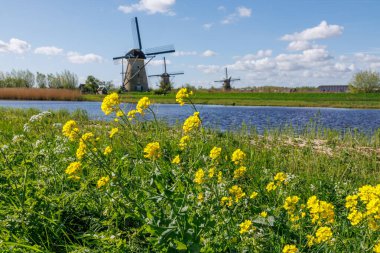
227 81
134 78
165 78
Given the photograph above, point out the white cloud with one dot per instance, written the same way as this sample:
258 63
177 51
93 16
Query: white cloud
244 11
159 62
322 31
14 46
184 53
208 53
208 69
207 26
150 7
367 57
76 58
48 50
240 12
221 8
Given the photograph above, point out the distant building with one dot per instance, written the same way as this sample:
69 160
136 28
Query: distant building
333 88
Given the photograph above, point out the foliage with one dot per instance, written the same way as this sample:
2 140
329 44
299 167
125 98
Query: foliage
137 185
92 84
365 81
17 79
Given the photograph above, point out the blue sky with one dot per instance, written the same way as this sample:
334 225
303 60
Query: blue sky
262 42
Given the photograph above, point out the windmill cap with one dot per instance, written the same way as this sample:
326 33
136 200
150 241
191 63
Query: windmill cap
136 53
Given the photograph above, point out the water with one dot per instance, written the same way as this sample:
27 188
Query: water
232 117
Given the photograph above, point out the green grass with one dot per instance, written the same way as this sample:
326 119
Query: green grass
339 100
152 205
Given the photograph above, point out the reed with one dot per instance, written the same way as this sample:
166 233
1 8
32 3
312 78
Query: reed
39 94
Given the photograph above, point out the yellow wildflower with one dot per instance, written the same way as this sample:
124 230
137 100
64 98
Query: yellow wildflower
74 177
215 153
211 172
280 177
263 214
102 181
81 151
355 217
107 150
376 248
323 234
238 173
142 105
226 201
152 150
310 240
245 226
113 131
70 130
253 195
220 177
176 160
238 156
87 136
183 142
271 186
290 204
237 192
199 176
320 211
181 95
191 123
290 248
73 168
200 197
132 114
110 103
119 113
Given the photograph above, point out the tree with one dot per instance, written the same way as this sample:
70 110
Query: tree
68 80
41 80
92 84
365 81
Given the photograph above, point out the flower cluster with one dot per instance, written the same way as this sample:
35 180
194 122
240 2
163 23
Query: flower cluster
215 153
183 142
238 157
245 226
110 103
142 105
113 132
323 234
73 169
192 122
70 130
238 173
102 181
181 95
199 176
279 178
290 248
236 192
152 151
320 211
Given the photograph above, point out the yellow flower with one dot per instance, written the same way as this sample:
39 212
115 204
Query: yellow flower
310 240
191 123
107 150
238 156
142 105
290 204
220 177
74 177
280 177
238 173
119 113
200 197
199 176
289 248
152 150
110 103
183 142
376 248
245 226
253 195
70 130
81 151
263 214
271 186
323 234
226 201
237 192
320 211
211 172
355 217
103 181
132 114
215 153
113 132
87 136
181 95
176 160
73 168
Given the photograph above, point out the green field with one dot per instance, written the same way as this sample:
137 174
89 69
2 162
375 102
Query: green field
338 100
143 190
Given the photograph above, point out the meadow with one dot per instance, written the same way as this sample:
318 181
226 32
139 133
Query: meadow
70 184
314 99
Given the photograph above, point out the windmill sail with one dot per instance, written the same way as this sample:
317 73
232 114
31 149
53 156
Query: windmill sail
160 50
136 33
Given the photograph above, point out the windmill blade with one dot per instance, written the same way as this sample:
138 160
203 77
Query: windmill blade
136 33
235 79
154 75
176 73
160 50
119 58
221 81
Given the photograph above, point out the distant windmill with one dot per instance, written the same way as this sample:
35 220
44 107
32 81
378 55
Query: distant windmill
134 78
227 82
165 77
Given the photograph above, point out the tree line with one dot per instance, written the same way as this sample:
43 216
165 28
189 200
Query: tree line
27 79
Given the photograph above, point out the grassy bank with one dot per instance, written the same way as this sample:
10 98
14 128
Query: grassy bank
338 100
145 187
39 94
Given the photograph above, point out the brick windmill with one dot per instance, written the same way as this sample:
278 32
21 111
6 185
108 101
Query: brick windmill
227 82
134 78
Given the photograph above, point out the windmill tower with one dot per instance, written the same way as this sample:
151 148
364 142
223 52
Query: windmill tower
165 77
227 82
134 78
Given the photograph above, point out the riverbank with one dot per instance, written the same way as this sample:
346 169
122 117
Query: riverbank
131 186
336 100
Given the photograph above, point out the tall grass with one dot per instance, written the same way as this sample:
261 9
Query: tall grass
39 94
132 200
